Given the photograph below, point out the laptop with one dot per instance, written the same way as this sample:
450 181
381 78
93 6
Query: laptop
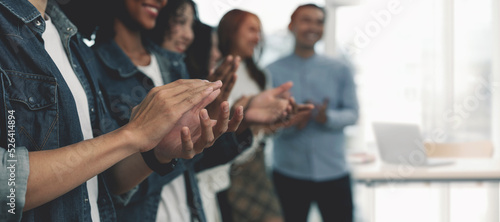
400 143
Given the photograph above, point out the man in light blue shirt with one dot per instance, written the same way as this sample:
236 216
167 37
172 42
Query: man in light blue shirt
309 157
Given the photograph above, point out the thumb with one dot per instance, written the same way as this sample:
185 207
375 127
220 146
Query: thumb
282 88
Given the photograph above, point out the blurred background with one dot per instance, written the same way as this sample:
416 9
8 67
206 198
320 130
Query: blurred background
435 63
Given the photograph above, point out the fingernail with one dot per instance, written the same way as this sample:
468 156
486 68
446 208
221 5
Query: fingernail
210 89
204 114
218 82
185 131
204 80
240 112
226 108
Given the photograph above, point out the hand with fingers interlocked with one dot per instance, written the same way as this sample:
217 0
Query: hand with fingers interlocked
177 125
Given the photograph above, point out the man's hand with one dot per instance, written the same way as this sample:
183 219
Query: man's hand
300 120
164 106
321 117
226 72
269 106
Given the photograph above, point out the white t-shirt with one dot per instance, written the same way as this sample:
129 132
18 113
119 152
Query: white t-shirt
153 71
54 47
173 203
244 85
214 180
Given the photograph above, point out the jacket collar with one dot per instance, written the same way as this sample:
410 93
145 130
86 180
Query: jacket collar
170 55
62 23
114 58
22 9
27 13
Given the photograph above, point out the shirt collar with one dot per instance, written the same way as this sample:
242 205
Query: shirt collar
295 56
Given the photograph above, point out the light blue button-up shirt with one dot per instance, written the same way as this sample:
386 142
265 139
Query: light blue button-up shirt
315 153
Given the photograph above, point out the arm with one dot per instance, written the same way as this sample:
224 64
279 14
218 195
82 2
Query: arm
225 149
347 114
128 173
15 201
55 172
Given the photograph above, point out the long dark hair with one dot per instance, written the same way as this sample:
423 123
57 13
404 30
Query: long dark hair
198 53
227 32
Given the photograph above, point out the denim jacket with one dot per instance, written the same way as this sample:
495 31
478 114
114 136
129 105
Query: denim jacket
123 88
45 111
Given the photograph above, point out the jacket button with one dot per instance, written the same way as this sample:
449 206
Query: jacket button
175 63
92 110
31 100
86 200
38 23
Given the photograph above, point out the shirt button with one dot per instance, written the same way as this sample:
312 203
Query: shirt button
31 100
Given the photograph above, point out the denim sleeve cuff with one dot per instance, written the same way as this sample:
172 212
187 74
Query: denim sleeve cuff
124 199
244 140
14 178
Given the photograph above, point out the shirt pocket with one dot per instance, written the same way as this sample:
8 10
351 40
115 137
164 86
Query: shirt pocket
33 98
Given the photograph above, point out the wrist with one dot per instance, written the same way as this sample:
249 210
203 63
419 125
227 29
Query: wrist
161 158
154 164
131 140
244 125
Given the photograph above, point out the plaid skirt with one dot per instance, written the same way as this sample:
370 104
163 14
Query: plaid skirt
251 194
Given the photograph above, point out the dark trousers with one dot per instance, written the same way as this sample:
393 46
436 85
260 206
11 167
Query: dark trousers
334 198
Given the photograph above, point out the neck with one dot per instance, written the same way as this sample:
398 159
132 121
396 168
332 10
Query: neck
40 5
130 41
304 52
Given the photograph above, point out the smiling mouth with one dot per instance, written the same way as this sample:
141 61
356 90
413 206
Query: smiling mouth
311 36
152 9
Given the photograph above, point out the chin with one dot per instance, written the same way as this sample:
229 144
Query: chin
148 25
249 54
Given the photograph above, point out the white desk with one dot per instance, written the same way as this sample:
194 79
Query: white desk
480 169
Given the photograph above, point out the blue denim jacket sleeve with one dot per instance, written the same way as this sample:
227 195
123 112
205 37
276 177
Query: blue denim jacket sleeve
225 149
14 172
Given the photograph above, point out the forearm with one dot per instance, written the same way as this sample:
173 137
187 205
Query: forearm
338 119
56 172
127 174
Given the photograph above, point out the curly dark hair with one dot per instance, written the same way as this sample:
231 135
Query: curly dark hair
172 10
